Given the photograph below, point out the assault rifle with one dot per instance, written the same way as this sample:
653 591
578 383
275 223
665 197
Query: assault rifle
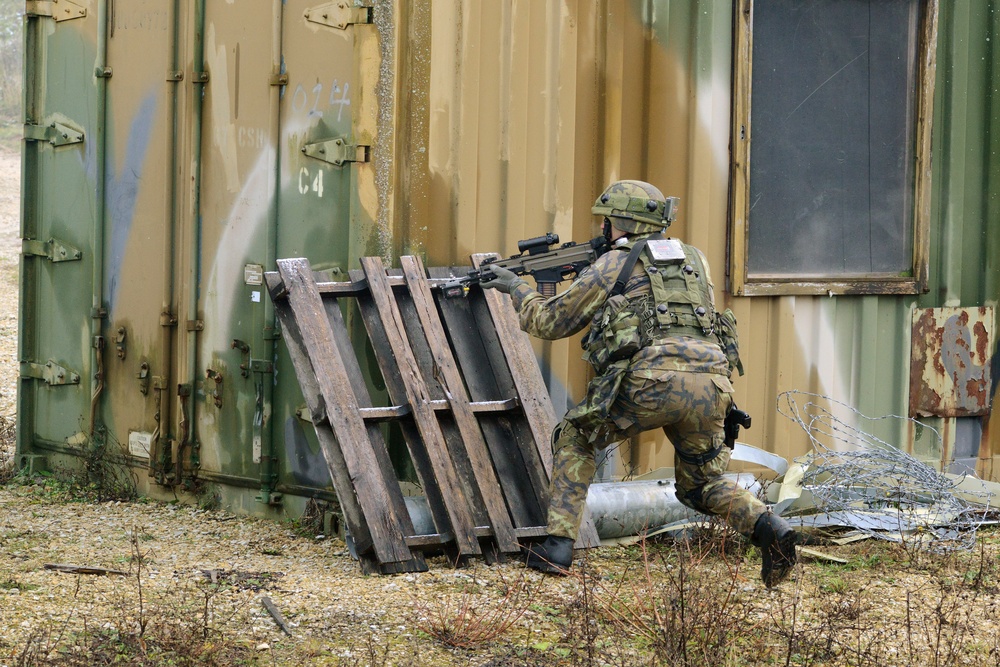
536 259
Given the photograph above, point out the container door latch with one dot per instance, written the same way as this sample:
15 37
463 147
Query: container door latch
50 371
339 14
60 10
56 133
54 249
336 151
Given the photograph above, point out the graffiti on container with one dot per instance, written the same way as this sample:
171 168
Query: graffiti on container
123 191
338 99
251 137
158 20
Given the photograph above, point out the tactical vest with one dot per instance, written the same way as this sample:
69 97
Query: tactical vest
679 304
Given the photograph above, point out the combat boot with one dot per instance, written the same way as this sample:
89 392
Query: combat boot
776 540
553 556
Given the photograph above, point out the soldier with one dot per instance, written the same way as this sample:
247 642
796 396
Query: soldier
663 357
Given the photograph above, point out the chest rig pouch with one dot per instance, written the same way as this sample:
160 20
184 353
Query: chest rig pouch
681 297
616 331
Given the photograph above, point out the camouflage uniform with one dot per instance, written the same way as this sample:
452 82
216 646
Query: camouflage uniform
678 383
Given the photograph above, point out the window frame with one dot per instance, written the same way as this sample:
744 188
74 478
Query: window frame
742 284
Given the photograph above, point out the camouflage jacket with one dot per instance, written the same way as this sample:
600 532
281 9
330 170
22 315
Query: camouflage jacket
571 311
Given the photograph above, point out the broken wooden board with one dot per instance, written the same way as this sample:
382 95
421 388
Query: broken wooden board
465 393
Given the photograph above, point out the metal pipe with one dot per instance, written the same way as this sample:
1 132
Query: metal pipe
160 458
619 509
268 468
198 76
98 312
31 71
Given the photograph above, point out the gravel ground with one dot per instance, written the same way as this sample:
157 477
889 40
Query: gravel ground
187 586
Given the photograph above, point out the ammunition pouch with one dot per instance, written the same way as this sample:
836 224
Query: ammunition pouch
729 339
614 334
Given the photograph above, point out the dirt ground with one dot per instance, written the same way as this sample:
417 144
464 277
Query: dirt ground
172 584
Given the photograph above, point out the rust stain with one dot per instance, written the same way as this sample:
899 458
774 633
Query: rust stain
949 369
982 341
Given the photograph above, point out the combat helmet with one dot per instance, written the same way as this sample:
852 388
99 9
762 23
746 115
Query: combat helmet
635 207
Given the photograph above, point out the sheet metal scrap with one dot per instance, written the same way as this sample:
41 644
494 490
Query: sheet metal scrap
854 479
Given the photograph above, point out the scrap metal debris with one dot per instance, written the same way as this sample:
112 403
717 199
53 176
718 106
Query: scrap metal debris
854 479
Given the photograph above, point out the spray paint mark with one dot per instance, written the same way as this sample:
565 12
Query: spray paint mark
122 191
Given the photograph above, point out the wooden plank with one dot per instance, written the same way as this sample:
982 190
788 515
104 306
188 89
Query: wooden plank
534 531
432 540
373 491
445 475
531 388
534 395
393 383
421 348
506 405
342 483
454 386
394 412
355 378
487 375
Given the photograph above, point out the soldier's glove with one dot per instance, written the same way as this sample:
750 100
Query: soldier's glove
505 280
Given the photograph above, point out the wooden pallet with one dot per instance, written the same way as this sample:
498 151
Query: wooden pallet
465 391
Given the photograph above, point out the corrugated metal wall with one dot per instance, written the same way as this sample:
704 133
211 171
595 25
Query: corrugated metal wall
516 114
965 232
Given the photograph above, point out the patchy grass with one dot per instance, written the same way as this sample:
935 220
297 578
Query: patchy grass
692 602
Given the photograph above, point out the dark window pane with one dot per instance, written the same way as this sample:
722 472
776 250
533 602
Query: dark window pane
831 162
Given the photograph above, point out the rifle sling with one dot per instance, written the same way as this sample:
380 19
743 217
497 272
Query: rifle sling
633 257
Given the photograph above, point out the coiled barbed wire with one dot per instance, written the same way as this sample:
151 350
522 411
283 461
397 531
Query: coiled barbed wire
864 482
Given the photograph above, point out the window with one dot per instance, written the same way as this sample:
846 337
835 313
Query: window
831 146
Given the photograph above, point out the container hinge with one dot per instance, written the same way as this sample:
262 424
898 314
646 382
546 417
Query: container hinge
278 80
336 151
54 249
339 14
261 366
60 10
57 134
50 371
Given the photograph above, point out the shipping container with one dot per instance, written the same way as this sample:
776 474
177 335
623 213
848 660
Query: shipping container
174 150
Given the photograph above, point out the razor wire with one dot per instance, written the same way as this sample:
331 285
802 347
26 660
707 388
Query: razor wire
862 481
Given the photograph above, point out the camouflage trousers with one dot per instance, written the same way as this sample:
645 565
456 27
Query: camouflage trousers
690 408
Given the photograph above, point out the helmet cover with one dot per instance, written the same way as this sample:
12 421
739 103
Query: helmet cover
634 207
